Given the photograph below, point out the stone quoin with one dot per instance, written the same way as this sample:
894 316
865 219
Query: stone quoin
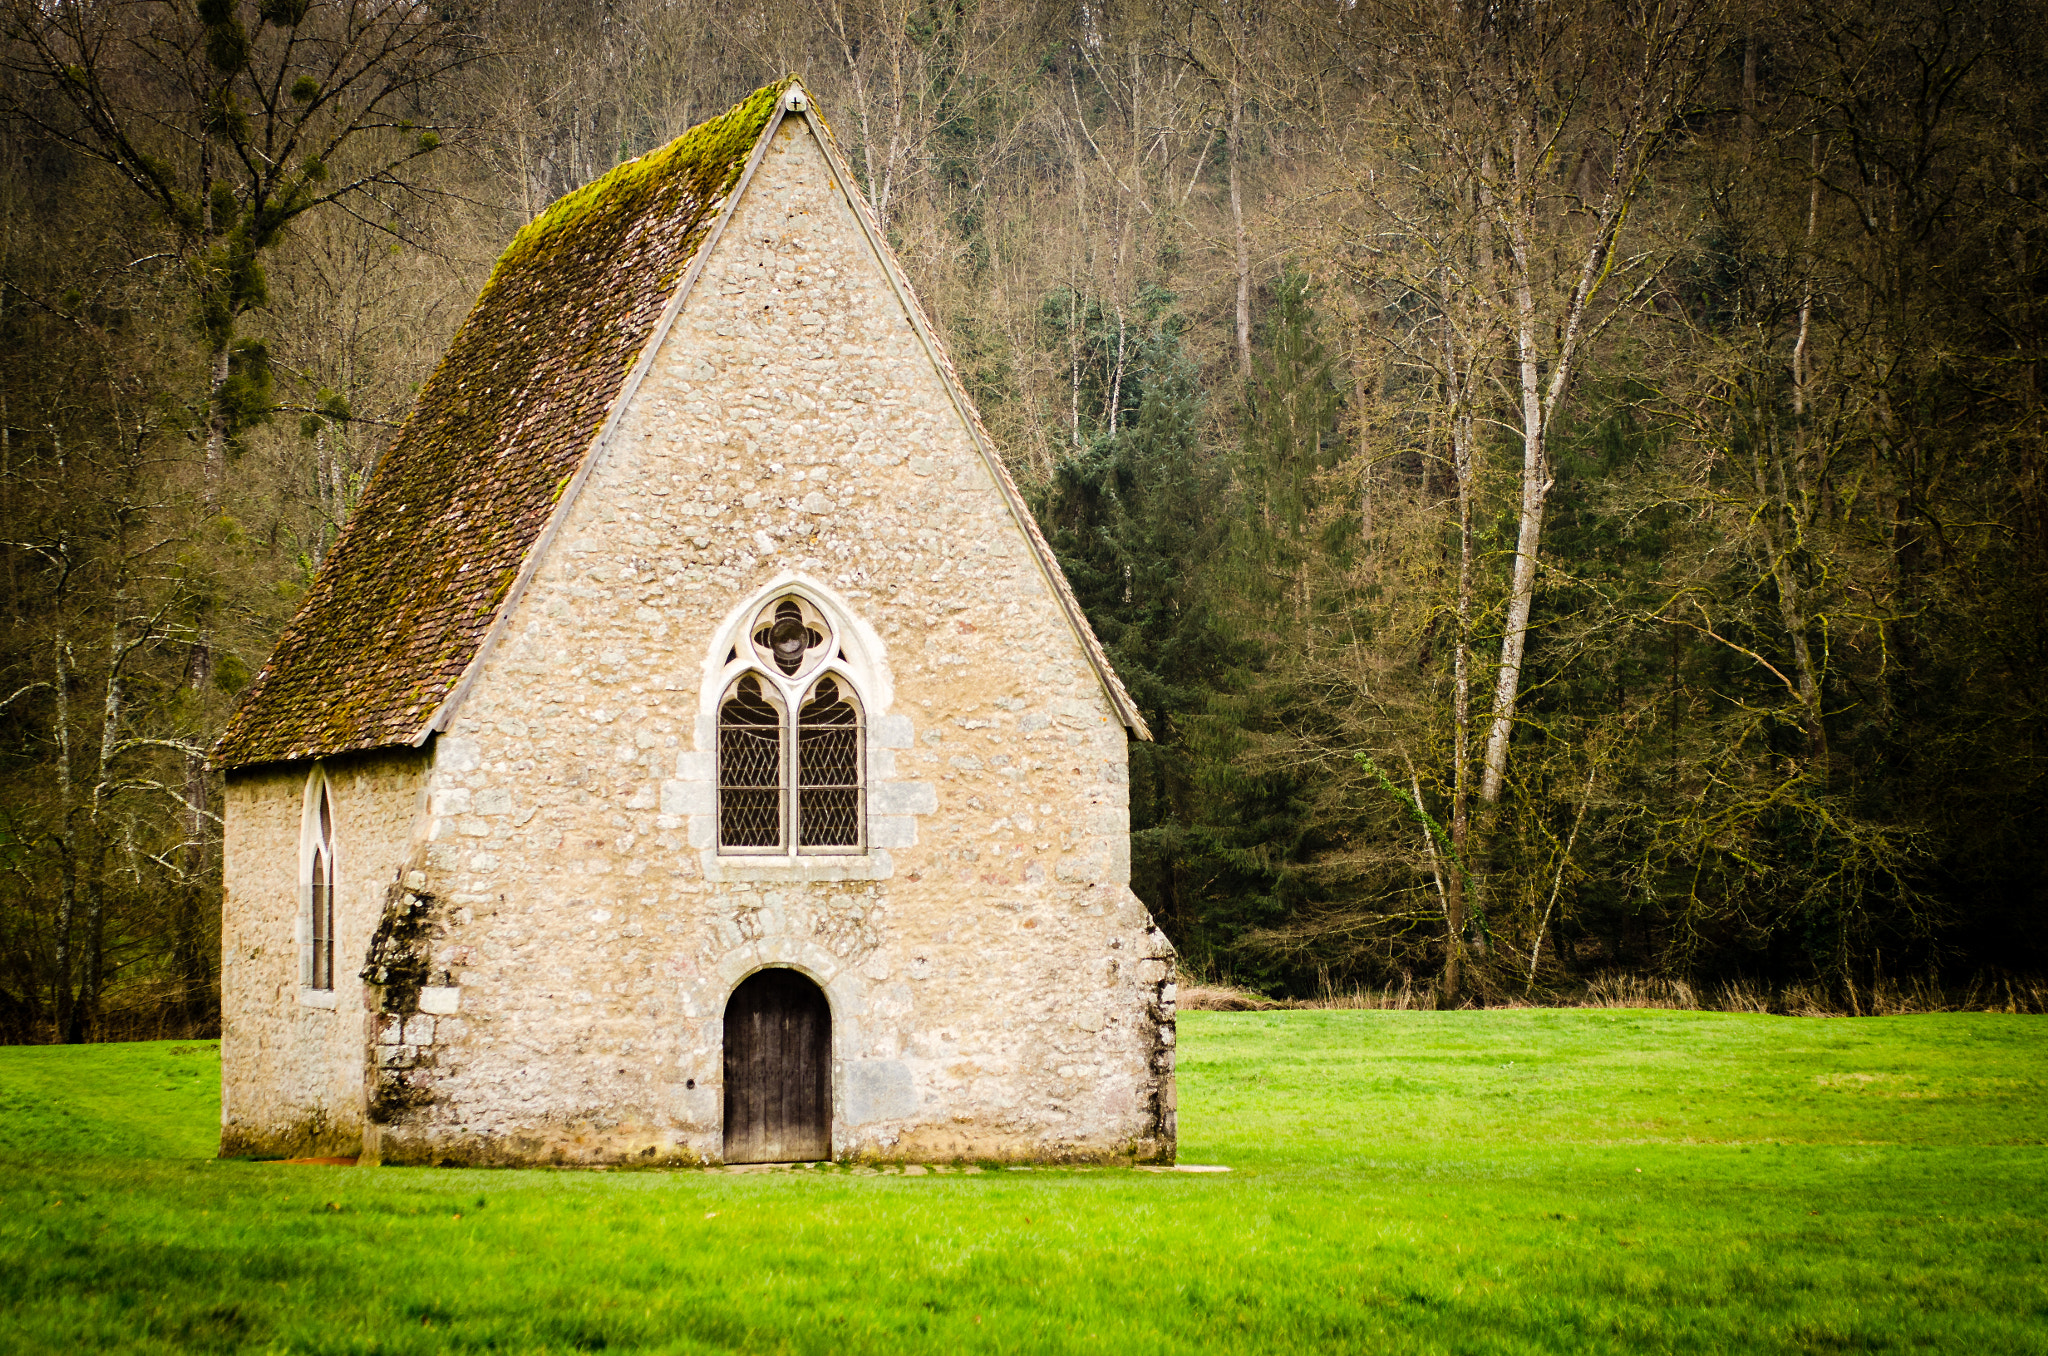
691 629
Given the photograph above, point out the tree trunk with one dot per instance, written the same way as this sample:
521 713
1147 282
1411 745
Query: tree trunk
92 972
1243 255
216 469
92 969
67 890
1365 505
1791 615
1463 466
1074 366
1461 708
1795 515
1454 937
187 952
1535 496
1450 882
1748 95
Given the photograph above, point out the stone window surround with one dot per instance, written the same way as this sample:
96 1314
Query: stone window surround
317 780
789 692
893 805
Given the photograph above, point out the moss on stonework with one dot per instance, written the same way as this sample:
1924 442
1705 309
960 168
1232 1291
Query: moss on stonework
397 967
397 1094
398 961
314 1136
398 1148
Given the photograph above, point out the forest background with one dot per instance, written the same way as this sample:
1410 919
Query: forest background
1562 478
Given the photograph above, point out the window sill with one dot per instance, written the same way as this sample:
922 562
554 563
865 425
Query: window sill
316 998
870 865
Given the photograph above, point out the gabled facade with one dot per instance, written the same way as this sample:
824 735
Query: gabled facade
691 752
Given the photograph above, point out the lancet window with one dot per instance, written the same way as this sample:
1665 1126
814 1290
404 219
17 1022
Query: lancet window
791 739
319 952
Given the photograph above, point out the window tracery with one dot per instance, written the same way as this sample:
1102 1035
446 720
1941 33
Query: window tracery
790 634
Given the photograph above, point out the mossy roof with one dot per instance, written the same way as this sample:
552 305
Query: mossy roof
409 593
406 596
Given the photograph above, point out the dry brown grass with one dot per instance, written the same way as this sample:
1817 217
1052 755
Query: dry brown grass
1210 997
1619 989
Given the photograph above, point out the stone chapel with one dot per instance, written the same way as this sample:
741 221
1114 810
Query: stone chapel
691 751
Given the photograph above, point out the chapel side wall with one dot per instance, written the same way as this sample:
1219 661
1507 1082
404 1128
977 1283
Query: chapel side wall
292 1073
997 990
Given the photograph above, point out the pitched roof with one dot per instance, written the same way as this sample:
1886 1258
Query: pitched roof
409 594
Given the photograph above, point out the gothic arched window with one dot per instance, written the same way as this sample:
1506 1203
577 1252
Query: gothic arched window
828 749
750 766
319 971
791 752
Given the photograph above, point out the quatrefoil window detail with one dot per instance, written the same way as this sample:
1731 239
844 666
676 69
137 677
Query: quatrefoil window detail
791 634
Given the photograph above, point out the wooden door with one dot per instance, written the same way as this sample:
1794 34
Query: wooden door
778 1070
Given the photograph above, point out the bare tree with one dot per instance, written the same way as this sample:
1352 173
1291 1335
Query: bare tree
1544 123
232 121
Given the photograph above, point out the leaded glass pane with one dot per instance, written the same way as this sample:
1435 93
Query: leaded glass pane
828 769
322 968
327 962
750 777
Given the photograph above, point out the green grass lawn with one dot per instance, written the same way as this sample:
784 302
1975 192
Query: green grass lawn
1575 1181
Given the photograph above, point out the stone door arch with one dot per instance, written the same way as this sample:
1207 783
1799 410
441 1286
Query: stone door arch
778 1070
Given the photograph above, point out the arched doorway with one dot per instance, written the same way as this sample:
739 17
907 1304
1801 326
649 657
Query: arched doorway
778 1070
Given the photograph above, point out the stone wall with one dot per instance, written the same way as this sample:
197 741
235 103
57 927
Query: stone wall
997 991
292 1057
